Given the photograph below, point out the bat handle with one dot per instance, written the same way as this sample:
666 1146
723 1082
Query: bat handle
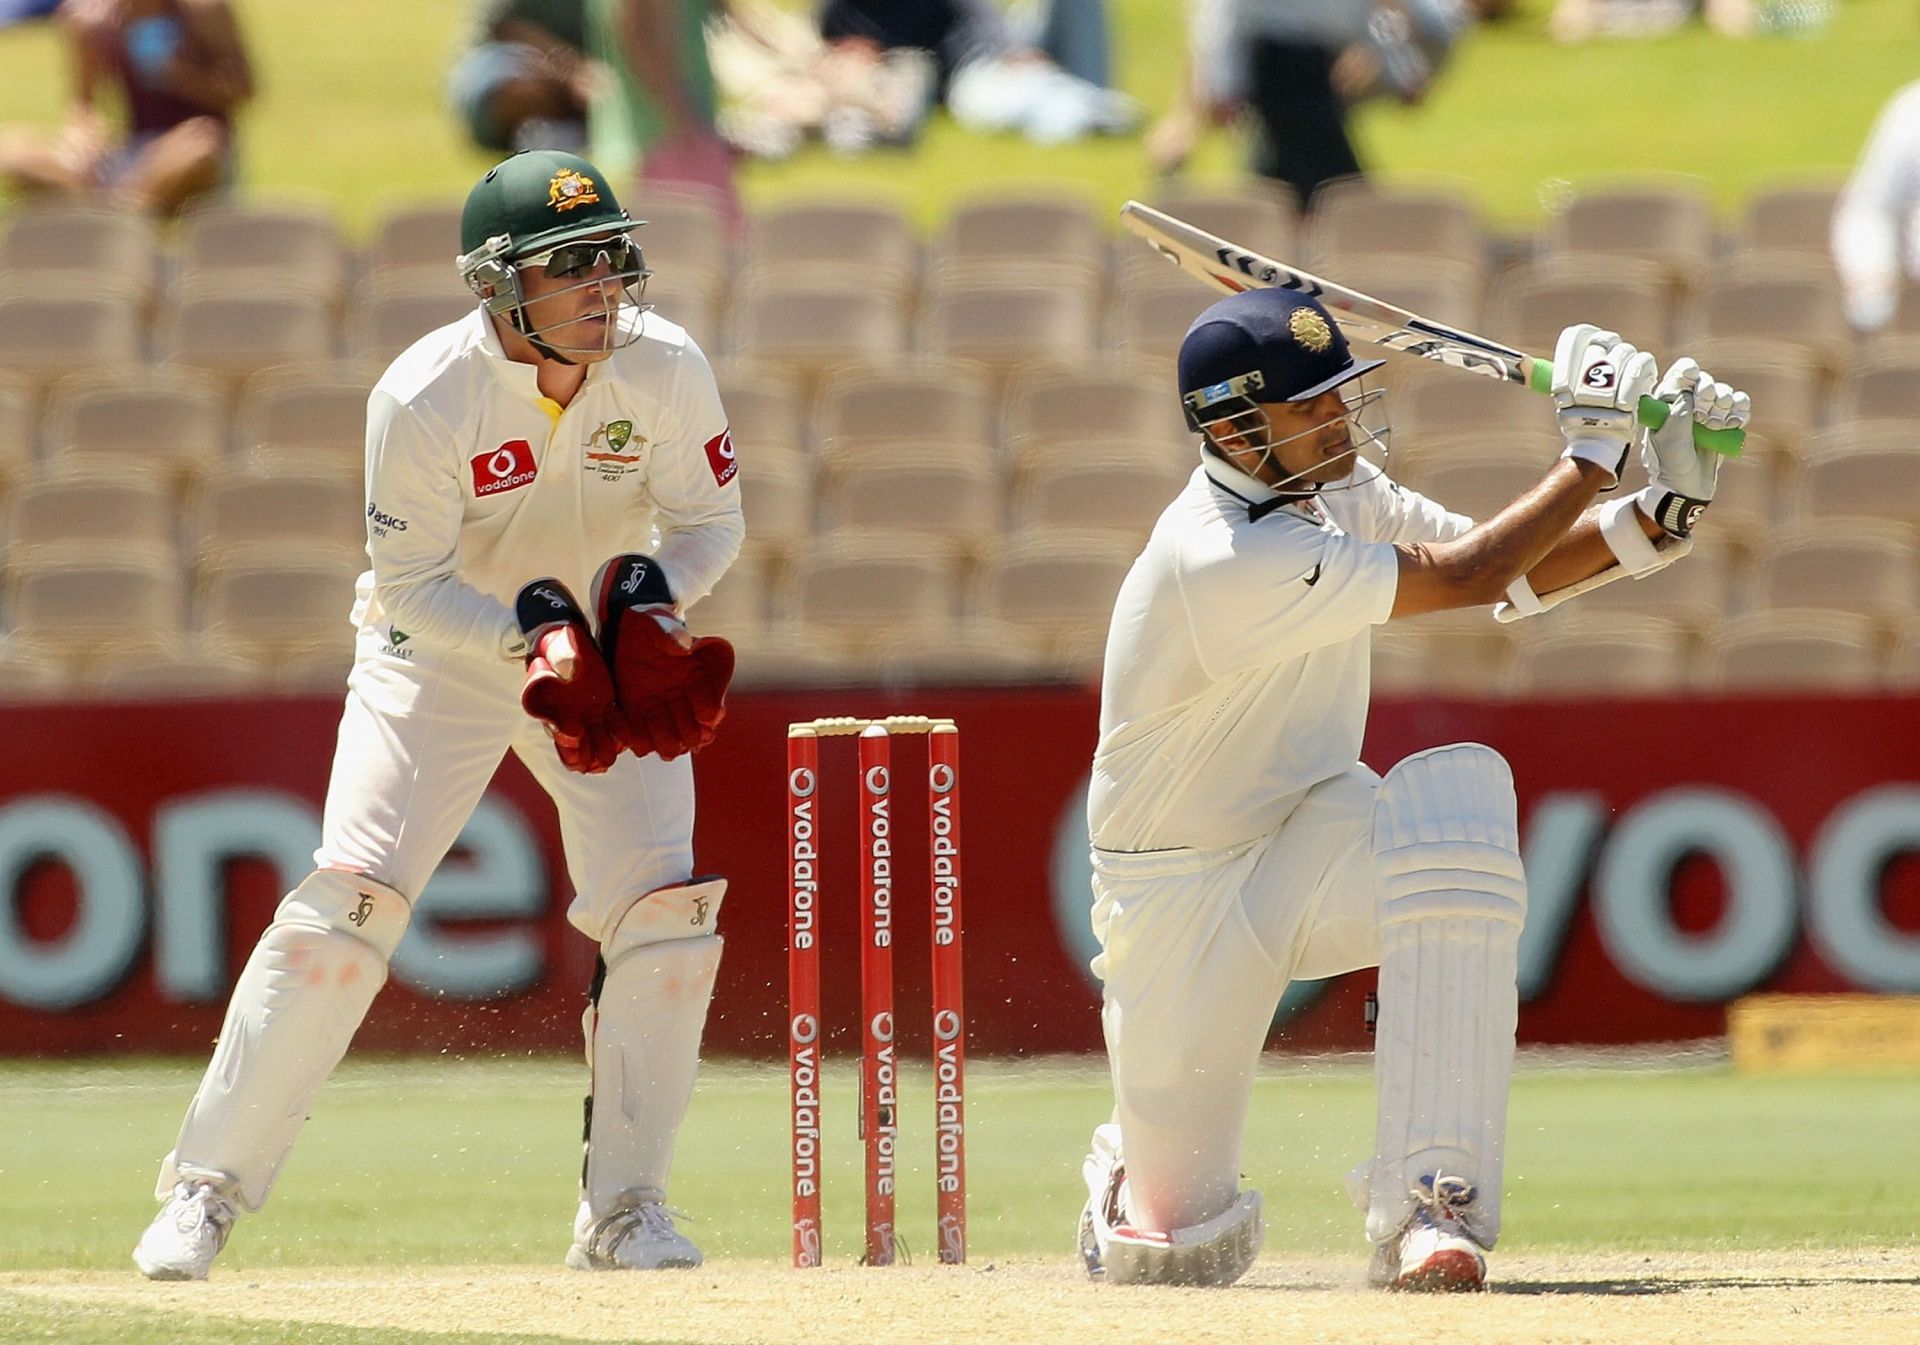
1653 414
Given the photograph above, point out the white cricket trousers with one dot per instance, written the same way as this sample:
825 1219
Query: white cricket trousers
420 739
1196 949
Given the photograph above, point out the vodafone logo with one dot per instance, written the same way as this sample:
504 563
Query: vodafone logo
720 457
507 467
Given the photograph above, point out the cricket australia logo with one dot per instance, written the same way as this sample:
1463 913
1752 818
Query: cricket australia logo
569 189
395 642
614 450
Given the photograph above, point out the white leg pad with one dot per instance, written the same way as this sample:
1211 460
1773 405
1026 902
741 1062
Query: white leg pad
1452 899
299 1001
643 1025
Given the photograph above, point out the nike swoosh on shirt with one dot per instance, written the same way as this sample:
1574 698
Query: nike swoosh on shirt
1313 576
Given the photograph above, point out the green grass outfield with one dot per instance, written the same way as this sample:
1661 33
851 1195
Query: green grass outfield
352 110
420 1163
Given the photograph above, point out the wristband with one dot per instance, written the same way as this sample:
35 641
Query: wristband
1675 513
1609 455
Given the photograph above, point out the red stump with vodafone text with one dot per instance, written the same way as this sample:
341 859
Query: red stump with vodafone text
879 1058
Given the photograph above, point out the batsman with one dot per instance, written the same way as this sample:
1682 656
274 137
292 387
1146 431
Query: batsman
550 483
1239 843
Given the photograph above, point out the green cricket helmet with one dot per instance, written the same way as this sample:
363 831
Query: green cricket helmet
548 209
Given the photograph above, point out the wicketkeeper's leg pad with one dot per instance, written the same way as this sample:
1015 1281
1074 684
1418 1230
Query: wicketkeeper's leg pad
305 989
1212 1254
645 1015
1451 901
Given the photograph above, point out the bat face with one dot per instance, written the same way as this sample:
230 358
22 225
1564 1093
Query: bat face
1233 269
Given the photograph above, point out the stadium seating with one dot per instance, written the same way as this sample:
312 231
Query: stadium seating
1793 652
155 417
994 430
173 668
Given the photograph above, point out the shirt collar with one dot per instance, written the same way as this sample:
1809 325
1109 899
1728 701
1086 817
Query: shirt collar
1259 498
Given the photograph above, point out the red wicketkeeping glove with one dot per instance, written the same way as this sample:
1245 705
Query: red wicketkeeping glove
671 688
567 687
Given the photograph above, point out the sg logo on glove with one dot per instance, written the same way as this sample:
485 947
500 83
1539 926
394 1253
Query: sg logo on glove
1599 377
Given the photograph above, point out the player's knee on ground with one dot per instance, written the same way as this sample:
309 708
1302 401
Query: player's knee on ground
1451 901
645 1015
302 996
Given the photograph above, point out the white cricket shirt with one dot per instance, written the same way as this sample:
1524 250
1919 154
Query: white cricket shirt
477 484
1237 664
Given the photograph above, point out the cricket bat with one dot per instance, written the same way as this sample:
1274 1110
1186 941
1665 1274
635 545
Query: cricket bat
1231 269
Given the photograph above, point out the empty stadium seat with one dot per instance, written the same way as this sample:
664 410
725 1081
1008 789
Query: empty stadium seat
1878 477
1857 566
1746 509
1789 217
1798 306
172 420
1435 221
764 403
1057 586
1667 221
1793 652
1879 390
941 496
1008 328
1150 321
385 321
683 231
1444 289
923 402
18 430
809 327
317 667
799 235
861 587
1903 666
176 668
1401 661
240 332
776 495
265 599
306 414
291 507
266 246
977 652
1049 230
1046 406
1448 404
1843 438
738 604
1119 487
1483 479
30 672
1786 390
418 241
73 603
794 658
1467 651
91 513
1600 655
1534 302
43 337
692 303
82 244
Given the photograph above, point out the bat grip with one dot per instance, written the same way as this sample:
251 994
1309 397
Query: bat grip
1653 414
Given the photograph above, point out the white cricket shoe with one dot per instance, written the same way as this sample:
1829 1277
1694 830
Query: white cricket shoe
1436 1252
640 1236
187 1234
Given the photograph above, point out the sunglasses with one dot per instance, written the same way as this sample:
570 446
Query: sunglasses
568 260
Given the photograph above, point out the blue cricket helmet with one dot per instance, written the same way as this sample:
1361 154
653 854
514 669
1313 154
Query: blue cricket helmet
1263 345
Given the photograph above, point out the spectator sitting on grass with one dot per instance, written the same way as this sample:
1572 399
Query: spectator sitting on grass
180 69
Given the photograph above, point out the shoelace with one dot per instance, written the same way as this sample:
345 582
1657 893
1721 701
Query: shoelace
649 1216
1447 1200
201 1206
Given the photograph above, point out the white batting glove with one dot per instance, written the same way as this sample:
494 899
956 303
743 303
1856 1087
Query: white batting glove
1682 474
1598 381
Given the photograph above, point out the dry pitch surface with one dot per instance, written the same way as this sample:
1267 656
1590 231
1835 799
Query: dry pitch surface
1767 1298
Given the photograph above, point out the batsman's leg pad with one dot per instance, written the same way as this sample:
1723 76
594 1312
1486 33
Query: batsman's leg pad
299 1001
1211 1254
1451 901
644 1019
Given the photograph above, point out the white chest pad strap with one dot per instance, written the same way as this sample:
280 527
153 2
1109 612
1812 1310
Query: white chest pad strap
1451 901
296 1006
1637 554
643 1023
